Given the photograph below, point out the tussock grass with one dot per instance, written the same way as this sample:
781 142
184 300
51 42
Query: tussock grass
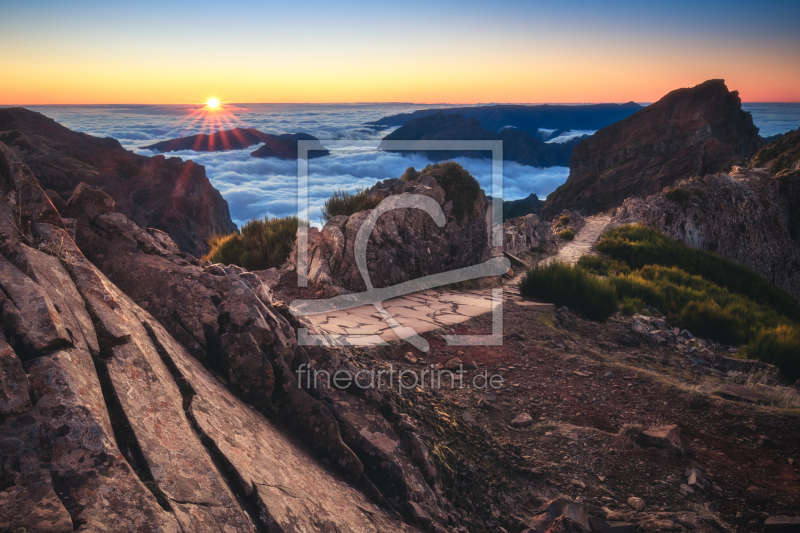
574 287
348 203
639 246
779 346
594 264
262 244
703 292
568 234
631 306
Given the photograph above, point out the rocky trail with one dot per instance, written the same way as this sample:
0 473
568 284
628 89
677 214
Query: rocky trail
444 308
582 243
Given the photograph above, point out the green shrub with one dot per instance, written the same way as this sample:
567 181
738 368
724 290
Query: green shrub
777 346
573 287
563 221
568 234
348 203
709 320
639 246
537 250
631 306
459 186
678 195
593 264
262 244
410 174
632 286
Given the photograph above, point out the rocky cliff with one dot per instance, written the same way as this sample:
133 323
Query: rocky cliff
519 146
169 194
689 132
155 420
747 215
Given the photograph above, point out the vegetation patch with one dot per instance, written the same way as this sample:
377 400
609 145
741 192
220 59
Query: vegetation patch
594 264
348 203
632 306
458 184
563 221
562 284
568 234
638 246
678 195
703 292
262 244
779 346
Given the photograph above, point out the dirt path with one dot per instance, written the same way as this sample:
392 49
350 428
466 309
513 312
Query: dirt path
435 309
582 243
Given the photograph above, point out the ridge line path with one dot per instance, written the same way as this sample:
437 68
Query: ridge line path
442 308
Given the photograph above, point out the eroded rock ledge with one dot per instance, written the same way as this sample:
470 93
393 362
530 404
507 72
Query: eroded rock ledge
106 418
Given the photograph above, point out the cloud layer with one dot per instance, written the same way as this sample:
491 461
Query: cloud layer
256 188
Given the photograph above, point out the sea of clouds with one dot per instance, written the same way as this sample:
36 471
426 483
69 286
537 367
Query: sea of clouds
268 187
256 188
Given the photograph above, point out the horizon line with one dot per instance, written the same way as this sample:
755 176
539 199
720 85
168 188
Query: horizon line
201 105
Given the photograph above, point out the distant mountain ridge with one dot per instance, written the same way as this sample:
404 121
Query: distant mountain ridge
528 118
157 192
281 146
518 146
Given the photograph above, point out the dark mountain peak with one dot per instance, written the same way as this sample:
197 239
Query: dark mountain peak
690 131
169 194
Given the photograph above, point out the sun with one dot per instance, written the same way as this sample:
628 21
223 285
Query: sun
212 103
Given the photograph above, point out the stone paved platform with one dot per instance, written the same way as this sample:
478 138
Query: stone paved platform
434 309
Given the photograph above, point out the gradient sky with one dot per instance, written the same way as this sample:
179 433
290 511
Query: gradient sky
92 52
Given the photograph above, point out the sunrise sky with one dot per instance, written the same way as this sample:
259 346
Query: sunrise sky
92 52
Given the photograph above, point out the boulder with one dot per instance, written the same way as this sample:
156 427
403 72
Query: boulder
664 437
636 503
91 201
740 393
782 523
522 420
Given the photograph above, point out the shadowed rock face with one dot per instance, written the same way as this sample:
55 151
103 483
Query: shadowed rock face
687 133
106 418
169 194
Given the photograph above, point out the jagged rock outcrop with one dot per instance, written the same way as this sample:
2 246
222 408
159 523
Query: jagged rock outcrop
172 195
689 132
523 233
531 205
108 419
405 243
519 146
748 216
281 146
